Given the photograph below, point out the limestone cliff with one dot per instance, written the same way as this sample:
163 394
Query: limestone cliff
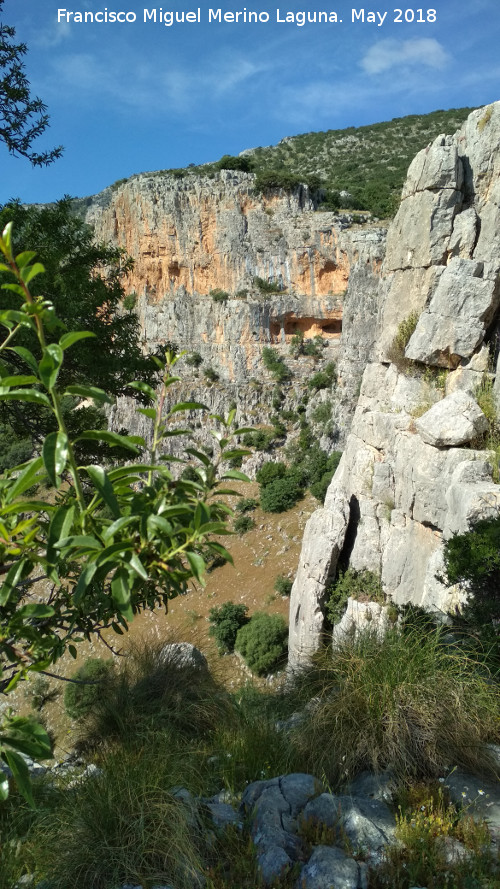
412 474
195 235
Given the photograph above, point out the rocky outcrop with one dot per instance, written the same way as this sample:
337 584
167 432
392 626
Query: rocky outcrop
195 235
413 471
199 237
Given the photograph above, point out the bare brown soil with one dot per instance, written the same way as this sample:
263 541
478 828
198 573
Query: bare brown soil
260 555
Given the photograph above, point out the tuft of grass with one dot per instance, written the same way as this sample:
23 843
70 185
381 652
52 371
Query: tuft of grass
485 118
490 441
154 691
126 824
408 702
396 351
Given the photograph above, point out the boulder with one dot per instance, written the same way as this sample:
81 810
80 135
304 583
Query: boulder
183 654
454 421
459 312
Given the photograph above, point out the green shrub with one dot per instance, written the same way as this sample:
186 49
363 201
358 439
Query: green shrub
225 621
363 585
270 471
219 296
243 523
129 301
231 162
194 359
322 414
314 348
472 560
280 494
408 702
246 504
275 364
211 375
266 179
324 378
263 642
267 286
79 700
297 344
283 585
319 488
259 439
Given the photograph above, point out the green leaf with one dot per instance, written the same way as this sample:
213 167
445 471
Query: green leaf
27 736
143 387
197 565
234 473
55 452
81 541
49 366
101 481
26 355
30 272
24 258
148 412
21 775
16 288
158 522
130 442
18 380
90 392
113 550
203 458
135 563
120 590
26 478
26 395
6 240
73 652
120 523
187 406
9 317
117 628
16 573
68 339
84 580
36 610
222 551
59 528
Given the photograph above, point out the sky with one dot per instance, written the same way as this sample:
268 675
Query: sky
130 97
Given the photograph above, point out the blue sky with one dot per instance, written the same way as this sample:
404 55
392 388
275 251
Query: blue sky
125 98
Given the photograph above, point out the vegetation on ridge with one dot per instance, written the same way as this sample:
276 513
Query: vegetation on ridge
352 168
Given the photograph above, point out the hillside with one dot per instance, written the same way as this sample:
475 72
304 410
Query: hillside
369 162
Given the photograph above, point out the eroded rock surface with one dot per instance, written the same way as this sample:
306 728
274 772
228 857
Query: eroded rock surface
410 473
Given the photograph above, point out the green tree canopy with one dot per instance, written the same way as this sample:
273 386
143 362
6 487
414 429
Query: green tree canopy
23 117
84 282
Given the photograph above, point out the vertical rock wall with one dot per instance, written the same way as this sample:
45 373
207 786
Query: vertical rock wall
410 475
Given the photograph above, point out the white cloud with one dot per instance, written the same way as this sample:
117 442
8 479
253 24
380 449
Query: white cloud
47 38
144 86
395 53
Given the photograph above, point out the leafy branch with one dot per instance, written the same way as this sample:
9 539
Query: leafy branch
109 541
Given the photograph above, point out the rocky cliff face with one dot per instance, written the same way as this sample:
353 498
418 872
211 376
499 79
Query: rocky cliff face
412 473
195 235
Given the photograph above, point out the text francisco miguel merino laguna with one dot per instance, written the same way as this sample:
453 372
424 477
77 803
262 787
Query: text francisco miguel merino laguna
244 16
